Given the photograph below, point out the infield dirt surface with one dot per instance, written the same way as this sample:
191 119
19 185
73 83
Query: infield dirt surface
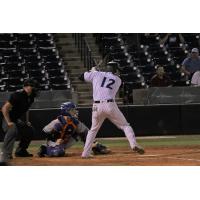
177 151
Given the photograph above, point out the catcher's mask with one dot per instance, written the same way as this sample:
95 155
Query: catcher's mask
68 108
34 84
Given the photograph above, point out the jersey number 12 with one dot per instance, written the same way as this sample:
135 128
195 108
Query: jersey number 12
109 84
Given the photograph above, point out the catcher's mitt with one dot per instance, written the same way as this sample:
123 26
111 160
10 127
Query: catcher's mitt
100 149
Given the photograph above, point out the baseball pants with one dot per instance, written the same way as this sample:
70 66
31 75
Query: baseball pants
25 134
108 110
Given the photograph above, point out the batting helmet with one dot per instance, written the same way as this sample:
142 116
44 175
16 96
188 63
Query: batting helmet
112 67
66 107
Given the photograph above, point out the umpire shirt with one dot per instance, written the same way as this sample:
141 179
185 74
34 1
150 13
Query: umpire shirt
21 103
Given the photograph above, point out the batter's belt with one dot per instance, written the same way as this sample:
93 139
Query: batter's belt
109 100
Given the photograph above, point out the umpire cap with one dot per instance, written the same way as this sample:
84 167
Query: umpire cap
31 82
34 84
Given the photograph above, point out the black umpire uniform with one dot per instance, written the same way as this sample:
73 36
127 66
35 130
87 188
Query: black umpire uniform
20 102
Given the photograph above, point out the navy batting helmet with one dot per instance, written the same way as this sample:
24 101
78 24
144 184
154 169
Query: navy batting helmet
66 107
112 66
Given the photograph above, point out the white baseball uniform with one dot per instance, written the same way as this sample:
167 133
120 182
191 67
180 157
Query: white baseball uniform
105 87
196 78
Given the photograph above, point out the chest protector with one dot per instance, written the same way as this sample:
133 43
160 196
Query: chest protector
67 126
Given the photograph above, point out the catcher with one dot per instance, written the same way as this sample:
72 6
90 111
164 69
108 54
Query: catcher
64 132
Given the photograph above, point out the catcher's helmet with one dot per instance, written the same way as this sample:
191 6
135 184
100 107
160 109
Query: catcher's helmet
66 107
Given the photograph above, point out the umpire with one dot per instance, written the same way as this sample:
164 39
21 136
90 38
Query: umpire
13 109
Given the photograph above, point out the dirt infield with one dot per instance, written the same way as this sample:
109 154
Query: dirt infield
121 156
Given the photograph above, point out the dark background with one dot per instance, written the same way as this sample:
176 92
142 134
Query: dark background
145 120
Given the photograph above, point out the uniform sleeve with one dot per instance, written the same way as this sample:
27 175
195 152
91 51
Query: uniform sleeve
81 128
88 76
194 79
14 98
185 62
120 81
50 127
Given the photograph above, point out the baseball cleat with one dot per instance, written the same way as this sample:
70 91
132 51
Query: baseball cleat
100 149
138 150
87 157
23 154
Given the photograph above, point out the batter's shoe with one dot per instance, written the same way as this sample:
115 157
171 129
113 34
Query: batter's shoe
100 149
23 153
87 157
138 149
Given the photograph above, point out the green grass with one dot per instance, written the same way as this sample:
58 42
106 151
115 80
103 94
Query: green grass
191 140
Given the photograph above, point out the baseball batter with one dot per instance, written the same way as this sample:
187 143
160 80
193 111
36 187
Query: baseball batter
105 86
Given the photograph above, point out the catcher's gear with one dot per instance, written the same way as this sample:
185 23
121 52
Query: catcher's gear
42 151
50 151
100 149
67 107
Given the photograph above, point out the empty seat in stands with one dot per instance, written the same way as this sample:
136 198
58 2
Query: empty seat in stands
6 37
154 47
25 44
58 79
2 87
191 39
28 51
118 55
133 85
36 73
55 72
32 58
59 83
158 53
13 84
6 45
131 77
63 86
47 51
126 69
43 36
29 55
53 65
51 58
148 39
8 52
33 66
24 36
46 43
12 67
41 79
43 82
13 59
161 60
170 69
